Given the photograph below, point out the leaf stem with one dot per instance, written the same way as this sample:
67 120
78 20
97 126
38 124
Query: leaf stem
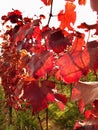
50 15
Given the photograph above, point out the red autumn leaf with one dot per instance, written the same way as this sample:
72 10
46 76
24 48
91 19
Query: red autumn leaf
95 103
61 100
15 16
46 68
76 63
70 0
88 114
81 106
68 17
61 105
88 91
42 16
58 42
23 32
27 30
39 65
94 5
49 84
47 2
88 27
39 97
92 49
82 2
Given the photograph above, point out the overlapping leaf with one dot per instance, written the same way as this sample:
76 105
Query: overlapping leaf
40 97
58 42
39 65
76 63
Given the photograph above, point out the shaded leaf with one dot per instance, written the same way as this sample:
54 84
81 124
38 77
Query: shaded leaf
39 97
15 16
58 42
88 91
86 26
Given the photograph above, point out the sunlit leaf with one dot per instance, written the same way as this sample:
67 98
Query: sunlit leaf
47 2
82 2
68 16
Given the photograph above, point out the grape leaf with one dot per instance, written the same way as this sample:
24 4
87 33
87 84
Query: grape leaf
88 91
47 2
82 2
76 63
61 100
58 42
41 96
40 64
68 17
14 17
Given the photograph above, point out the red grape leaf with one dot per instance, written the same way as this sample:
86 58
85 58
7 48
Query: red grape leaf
88 114
86 26
88 91
76 63
58 42
39 97
70 0
73 66
15 16
27 30
61 100
68 17
23 31
39 65
46 68
81 106
47 2
61 105
82 2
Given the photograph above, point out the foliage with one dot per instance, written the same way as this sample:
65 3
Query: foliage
32 53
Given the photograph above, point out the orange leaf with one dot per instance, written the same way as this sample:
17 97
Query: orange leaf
82 2
68 17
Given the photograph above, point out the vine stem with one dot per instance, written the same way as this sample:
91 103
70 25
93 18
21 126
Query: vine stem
10 115
50 15
47 119
39 120
70 90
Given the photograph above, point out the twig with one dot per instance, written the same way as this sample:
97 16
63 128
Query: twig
47 119
40 122
50 15
10 115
